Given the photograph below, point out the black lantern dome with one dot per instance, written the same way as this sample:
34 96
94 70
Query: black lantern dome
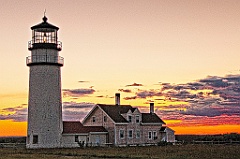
44 36
44 25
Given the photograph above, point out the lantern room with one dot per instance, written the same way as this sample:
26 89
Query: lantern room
44 36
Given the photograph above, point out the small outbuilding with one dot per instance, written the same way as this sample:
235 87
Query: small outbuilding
167 134
77 135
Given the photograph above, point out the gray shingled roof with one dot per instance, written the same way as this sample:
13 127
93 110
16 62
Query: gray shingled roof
115 111
163 128
151 118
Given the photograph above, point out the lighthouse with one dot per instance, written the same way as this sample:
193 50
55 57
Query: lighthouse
45 125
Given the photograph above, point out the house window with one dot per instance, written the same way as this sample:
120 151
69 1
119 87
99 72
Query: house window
149 135
93 119
76 138
121 134
137 119
105 118
154 135
129 118
130 133
35 139
138 134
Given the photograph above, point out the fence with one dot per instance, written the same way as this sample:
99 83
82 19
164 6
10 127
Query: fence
12 145
206 142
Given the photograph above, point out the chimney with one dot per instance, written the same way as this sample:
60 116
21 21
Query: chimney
117 98
151 108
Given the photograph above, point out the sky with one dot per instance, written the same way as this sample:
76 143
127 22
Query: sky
183 55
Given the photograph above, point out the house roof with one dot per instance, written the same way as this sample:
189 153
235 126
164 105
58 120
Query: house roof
151 118
115 111
71 127
162 129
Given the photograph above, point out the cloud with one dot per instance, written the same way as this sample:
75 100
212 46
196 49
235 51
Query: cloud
183 94
18 113
215 81
150 93
83 81
210 97
75 105
78 92
207 121
211 100
130 98
134 84
100 96
125 90
144 94
73 111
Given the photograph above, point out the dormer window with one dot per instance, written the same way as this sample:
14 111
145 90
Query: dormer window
137 119
93 119
129 118
105 118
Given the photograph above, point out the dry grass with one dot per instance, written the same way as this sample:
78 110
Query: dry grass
165 152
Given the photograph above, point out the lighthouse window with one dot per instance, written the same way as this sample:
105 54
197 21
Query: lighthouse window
44 37
35 139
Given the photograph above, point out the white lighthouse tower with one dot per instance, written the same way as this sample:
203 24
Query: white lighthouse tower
45 99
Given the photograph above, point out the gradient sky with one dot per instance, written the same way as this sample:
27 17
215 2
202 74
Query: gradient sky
181 54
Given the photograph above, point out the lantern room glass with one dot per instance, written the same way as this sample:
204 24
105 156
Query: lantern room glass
44 36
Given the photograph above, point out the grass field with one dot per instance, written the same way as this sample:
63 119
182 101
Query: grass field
163 152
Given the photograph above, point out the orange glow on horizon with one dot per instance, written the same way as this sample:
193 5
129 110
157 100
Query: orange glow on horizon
205 130
11 128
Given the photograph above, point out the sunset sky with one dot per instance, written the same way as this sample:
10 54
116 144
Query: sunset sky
183 55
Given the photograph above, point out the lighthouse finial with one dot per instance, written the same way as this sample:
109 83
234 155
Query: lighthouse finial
45 18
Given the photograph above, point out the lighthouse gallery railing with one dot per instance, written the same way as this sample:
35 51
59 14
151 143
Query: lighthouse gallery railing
44 59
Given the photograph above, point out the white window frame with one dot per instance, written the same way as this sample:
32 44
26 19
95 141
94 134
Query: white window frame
138 134
121 130
129 133
137 116
150 135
